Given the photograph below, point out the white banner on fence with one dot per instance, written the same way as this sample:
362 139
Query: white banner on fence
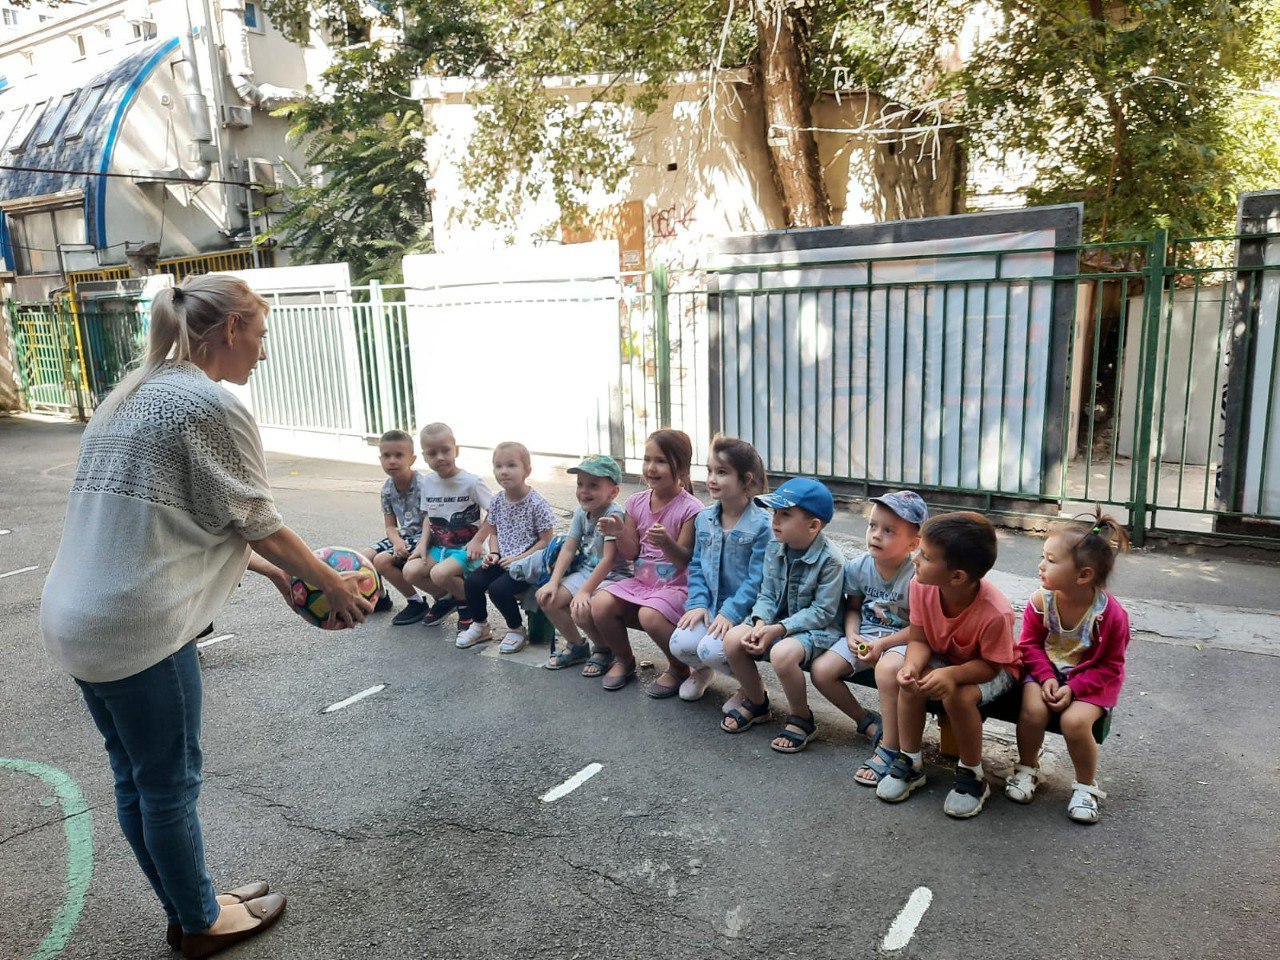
517 344
934 373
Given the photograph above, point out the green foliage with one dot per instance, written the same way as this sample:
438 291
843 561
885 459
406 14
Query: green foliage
1135 109
369 202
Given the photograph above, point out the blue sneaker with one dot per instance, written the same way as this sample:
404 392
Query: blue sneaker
903 780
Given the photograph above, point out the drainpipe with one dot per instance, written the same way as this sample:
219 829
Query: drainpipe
202 151
235 40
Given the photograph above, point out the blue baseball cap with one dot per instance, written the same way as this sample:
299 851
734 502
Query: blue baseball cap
907 504
802 492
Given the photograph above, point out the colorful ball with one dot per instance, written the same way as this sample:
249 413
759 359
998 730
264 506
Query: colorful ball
310 601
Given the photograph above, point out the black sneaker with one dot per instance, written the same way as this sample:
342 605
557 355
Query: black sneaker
384 604
439 610
413 611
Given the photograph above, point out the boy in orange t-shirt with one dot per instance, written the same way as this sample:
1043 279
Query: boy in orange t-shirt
960 650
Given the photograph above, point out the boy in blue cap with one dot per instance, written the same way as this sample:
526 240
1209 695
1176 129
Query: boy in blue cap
796 616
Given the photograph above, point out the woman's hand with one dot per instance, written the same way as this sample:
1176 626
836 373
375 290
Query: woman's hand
347 606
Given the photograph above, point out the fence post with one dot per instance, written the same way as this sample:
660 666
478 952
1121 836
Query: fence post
1152 313
662 345
380 378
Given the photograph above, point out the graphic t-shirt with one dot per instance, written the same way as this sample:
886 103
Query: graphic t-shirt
591 541
884 602
452 507
520 522
404 505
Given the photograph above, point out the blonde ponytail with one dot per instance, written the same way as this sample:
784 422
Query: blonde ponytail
185 320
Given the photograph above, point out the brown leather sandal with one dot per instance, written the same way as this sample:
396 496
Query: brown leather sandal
250 891
196 946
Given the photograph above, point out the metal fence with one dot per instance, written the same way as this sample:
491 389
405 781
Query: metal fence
1156 399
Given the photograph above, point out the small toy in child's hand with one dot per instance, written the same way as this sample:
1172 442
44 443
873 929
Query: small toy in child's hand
309 600
863 649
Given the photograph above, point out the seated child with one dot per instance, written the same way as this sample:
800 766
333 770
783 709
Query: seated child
960 651
796 616
452 500
1075 671
402 518
520 522
658 534
566 597
875 591
730 537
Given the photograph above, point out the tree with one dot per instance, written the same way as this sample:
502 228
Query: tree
1141 110
366 199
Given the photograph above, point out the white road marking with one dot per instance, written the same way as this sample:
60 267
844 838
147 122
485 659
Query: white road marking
14 573
3 532
212 640
572 784
904 927
355 698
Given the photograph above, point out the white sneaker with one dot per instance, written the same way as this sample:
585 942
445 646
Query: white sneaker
1083 806
1020 786
476 633
695 685
513 641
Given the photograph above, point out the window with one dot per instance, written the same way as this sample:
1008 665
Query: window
78 40
146 30
36 236
8 121
84 111
22 133
53 120
252 18
11 17
44 18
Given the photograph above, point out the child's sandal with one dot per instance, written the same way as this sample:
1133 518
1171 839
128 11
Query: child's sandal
746 716
872 717
570 655
1083 806
877 767
599 662
796 741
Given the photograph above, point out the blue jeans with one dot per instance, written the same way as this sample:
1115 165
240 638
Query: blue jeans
150 723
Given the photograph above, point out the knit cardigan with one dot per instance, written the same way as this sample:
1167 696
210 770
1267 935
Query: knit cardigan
169 489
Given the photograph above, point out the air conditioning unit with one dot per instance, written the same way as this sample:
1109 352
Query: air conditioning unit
236 116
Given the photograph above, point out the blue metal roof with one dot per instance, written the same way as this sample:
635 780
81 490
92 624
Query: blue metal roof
91 150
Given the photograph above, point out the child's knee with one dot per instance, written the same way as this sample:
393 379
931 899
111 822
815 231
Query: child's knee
966 696
829 669
684 645
1078 724
442 573
652 621
787 654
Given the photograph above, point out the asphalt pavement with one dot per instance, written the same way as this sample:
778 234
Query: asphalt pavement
410 824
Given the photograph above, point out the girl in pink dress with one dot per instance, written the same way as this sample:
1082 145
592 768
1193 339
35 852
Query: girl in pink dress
658 534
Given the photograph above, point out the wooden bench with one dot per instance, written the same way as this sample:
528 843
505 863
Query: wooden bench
1006 707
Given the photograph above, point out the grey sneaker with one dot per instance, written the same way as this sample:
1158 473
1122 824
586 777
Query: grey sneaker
904 778
967 796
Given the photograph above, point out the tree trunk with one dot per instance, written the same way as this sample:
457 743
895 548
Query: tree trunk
783 34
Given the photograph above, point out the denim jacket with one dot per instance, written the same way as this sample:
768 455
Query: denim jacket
813 588
727 565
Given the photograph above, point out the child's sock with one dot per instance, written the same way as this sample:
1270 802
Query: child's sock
976 771
916 758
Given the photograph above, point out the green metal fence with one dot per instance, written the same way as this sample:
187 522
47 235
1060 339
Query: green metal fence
1154 394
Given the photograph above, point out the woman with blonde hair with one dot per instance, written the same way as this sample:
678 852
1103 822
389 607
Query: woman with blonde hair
169 505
